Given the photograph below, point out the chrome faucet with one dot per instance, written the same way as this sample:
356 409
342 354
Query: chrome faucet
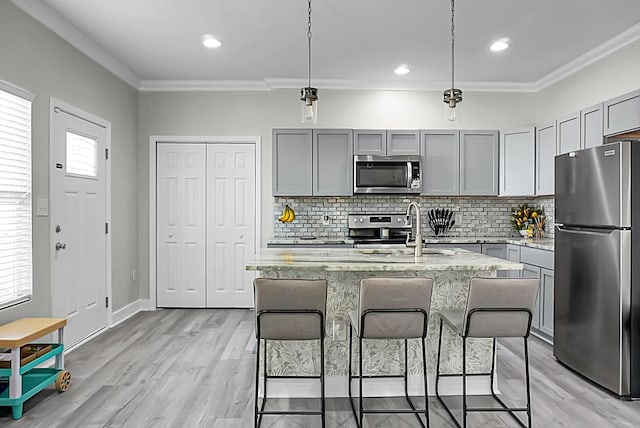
417 242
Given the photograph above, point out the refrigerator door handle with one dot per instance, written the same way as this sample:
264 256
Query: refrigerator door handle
588 230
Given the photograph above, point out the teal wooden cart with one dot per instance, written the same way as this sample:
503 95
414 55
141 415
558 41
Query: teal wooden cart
26 380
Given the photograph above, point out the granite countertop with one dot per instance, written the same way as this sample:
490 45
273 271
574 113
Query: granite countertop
366 260
542 244
316 241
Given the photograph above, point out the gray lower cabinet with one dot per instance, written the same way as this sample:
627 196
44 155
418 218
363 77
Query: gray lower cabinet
591 122
441 162
568 134
517 162
386 142
545 159
513 255
292 162
530 271
622 114
332 162
479 163
539 264
499 251
546 301
312 163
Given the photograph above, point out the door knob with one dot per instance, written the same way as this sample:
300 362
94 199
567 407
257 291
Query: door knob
60 246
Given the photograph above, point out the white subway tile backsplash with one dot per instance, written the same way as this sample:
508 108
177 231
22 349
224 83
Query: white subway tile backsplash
474 216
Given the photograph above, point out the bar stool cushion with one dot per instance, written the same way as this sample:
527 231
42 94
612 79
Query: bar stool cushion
392 293
290 294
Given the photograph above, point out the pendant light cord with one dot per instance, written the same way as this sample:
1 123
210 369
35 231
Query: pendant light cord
309 41
453 39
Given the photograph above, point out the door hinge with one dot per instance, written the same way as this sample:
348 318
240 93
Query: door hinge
106 302
106 153
106 228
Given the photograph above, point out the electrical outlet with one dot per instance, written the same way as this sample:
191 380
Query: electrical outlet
326 220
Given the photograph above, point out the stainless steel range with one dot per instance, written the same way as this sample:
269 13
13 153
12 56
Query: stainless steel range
379 230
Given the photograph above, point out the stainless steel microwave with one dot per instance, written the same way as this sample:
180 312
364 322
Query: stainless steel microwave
386 174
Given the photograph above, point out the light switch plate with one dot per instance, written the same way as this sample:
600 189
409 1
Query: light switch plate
42 207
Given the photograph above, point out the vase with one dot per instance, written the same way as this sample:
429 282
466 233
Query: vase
523 232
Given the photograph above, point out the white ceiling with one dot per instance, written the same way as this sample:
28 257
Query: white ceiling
356 43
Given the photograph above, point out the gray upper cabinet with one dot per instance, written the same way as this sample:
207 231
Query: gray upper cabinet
403 143
545 159
622 114
517 161
441 162
479 162
291 167
591 122
369 142
568 134
332 162
385 143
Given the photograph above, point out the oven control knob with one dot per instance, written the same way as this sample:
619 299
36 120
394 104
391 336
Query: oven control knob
361 219
400 220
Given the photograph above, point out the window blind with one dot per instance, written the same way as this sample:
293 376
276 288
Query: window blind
15 197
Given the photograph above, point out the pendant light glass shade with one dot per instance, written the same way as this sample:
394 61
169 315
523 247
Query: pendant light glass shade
309 98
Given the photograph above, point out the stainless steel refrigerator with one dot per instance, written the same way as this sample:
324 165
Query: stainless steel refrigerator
597 265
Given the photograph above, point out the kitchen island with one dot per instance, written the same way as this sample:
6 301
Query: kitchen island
451 271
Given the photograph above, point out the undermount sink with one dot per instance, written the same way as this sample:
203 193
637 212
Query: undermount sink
396 252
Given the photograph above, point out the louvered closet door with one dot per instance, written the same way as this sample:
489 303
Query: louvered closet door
231 213
181 228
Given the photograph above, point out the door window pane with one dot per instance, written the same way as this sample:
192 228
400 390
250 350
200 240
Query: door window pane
81 154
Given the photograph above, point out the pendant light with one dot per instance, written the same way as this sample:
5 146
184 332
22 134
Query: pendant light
309 95
452 96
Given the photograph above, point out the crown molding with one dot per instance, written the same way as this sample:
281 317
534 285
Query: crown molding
607 48
202 85
73 36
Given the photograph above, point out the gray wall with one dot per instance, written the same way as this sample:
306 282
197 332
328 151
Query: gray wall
34 58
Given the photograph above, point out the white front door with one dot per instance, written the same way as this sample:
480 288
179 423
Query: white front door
231 213
78 221
180 225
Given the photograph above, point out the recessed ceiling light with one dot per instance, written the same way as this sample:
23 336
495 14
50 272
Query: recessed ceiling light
402 69
211 42
499 45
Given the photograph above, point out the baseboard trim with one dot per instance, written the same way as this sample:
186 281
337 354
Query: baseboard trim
338 387
128 311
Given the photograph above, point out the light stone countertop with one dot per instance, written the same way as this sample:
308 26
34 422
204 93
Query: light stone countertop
542 244
365 260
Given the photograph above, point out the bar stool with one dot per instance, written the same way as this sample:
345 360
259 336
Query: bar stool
391 308
289 309
496 307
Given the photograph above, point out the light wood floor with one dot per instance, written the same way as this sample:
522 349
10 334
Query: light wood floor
194 368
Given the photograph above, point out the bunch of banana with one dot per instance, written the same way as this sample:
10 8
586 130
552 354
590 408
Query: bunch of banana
288 215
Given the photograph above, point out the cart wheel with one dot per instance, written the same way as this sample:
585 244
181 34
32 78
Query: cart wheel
63 380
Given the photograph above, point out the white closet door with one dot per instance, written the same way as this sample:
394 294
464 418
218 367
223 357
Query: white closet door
231 215
181 228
